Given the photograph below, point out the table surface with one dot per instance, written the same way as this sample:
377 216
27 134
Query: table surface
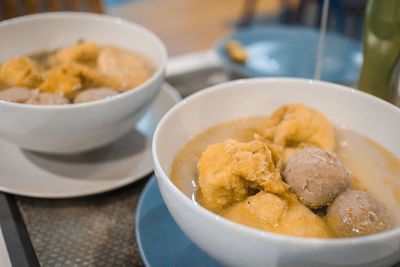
90 231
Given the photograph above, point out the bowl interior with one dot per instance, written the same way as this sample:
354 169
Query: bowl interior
343 106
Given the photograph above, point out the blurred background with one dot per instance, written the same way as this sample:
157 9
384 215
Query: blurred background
281 37
193 25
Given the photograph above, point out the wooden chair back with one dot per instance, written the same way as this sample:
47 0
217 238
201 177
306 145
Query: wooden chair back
14 8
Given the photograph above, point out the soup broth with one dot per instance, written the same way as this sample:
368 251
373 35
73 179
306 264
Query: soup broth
372 168
80 73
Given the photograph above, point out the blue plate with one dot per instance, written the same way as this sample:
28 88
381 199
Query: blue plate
291 51
161 242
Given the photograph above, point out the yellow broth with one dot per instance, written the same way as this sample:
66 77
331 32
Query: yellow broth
372 168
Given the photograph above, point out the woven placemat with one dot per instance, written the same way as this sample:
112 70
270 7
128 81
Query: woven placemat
89 231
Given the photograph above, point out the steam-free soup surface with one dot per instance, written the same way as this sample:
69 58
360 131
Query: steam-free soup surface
372 168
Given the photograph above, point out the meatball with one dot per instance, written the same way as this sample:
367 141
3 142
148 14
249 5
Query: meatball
47 99
317 176
15 94
356 213
94 94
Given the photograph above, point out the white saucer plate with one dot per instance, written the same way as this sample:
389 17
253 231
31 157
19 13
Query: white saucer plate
127 160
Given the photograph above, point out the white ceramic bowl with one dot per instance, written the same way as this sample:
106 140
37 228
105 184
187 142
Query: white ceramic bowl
233 244
77 127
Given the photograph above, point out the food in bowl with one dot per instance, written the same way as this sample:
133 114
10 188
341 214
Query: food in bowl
79 73
232 244
280 173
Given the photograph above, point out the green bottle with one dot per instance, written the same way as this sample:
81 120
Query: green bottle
381 48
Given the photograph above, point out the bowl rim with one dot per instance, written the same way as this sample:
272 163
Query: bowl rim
99 17
246 230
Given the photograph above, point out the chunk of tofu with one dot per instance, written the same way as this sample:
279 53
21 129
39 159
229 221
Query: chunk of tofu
70 78
227 170
293 124
84 52
63 79
21 71
265 208
272 213
293 127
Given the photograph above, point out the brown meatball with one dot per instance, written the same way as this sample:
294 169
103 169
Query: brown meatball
356 213
15 94
317 176
94 94
47 99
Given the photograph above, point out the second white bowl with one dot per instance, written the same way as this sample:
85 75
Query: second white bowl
77 127
233 244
